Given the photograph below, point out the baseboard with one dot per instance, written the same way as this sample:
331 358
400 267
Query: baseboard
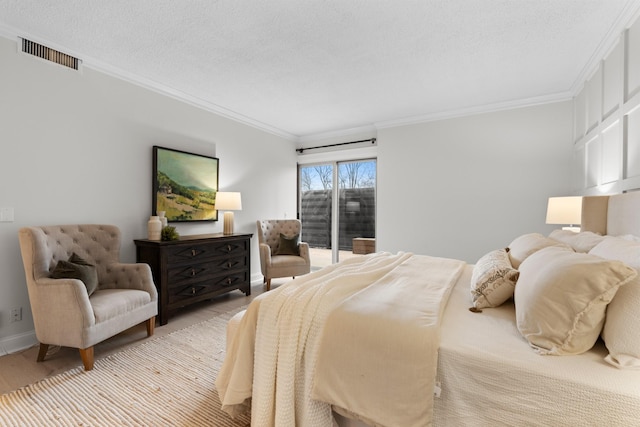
17 342
257 279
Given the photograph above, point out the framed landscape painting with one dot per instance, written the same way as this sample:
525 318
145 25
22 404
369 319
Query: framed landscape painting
184 185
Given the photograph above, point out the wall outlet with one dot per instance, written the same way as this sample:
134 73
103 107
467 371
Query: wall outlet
16 314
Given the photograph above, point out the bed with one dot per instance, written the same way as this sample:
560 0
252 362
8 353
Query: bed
411 340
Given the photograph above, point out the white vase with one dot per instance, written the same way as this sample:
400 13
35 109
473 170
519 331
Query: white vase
163 219
154 228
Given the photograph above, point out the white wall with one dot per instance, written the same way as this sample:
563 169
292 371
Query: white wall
607 121
76 148
462 187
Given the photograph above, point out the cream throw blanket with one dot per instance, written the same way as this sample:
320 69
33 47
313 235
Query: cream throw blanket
378 354
270 363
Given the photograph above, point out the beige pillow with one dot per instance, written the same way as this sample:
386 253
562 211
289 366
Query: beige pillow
579 242
621 332
561 298
527 244
493 279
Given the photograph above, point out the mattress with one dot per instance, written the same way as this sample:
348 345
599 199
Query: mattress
488 375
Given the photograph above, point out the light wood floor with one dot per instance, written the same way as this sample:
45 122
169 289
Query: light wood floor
322 257
20 369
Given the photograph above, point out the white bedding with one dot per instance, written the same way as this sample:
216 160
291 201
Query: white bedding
271 359
489 376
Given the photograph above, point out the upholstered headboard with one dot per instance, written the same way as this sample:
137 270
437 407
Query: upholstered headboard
614 215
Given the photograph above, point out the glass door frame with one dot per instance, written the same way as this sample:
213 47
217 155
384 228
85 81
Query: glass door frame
335 193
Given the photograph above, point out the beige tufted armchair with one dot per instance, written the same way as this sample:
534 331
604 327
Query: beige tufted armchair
63 312
273 263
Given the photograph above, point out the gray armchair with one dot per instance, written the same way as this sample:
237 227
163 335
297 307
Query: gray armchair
276 262
64 313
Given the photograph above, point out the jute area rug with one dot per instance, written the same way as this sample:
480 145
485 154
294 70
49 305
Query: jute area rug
167 381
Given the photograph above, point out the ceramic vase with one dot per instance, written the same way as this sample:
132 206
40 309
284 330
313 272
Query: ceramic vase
154 228
163 219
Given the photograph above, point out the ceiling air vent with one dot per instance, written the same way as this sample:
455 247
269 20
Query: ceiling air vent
49 54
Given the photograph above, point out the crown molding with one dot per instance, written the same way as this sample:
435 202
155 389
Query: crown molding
626 18
480 109
442 115
104 68
183 97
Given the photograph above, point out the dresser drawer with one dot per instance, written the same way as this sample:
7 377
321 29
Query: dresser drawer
205 252
179 274
199 290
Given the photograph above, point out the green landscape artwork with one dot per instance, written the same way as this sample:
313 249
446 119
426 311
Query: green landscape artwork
185 185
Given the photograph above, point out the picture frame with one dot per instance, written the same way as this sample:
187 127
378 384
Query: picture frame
184 185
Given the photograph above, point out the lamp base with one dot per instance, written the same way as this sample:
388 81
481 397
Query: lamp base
228 223
574 229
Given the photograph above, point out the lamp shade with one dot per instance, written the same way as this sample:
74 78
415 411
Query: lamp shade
228 201
564 210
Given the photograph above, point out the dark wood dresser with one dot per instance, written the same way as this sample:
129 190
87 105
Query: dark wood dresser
196 268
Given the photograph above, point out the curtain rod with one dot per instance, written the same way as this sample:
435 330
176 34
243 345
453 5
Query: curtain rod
300 150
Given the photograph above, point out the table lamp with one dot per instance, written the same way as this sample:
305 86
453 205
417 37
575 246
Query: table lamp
565 210
228 202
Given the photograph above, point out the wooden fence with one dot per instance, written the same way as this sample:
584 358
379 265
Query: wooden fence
357 216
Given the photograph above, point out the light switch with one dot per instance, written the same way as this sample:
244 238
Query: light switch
6 214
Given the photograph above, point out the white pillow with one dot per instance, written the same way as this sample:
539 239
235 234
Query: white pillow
527 244
493 279
579 242
561 298
621 332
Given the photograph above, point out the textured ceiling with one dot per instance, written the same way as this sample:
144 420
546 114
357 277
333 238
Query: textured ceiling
311 67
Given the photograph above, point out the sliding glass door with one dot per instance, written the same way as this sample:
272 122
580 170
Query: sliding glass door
337 205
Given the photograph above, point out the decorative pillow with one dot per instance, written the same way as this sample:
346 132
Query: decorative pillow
493 279
561 298
77 268
579 242
527 244
288 245
621 332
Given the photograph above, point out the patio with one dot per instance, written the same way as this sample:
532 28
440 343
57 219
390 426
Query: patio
321 257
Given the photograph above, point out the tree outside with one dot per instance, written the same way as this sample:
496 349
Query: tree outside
359 174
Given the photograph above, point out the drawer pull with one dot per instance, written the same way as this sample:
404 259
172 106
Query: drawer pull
193 272
229 264
193 252
228 280
193 291
228 248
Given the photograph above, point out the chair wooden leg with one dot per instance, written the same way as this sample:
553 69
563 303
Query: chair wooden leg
151 324
268 284
42 353
87 358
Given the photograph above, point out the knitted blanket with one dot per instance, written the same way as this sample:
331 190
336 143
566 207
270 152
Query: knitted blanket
271 360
